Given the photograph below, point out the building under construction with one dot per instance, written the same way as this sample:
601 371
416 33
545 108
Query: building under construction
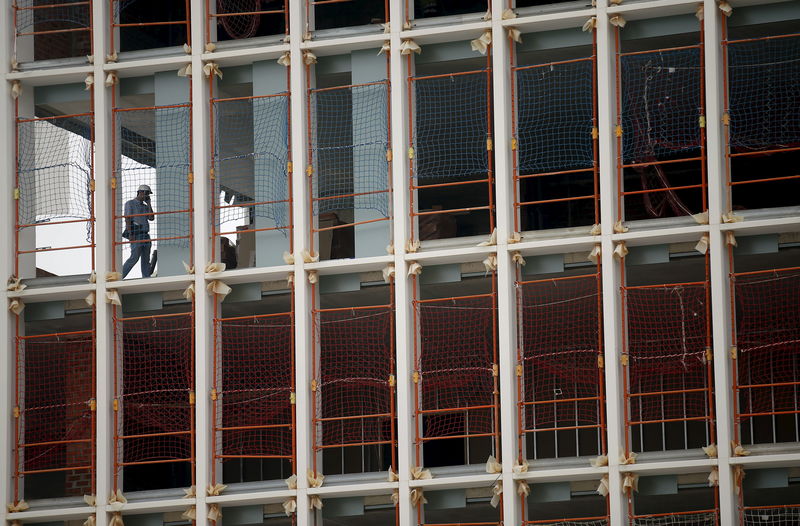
400 262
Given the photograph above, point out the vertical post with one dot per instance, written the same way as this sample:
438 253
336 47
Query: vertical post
403 285
506 271
104 262
720 290
26 263
302 288
203 302
612 327
7 171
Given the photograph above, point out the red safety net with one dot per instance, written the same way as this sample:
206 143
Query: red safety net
354 385
254 387
583 521
560 354
55 401
154 389
455 359
59 29
668 355
767 304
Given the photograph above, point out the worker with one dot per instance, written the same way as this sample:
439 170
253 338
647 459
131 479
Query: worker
138 213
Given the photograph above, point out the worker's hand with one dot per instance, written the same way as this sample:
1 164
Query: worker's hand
147 198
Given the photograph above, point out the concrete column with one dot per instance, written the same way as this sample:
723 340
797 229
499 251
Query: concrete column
269 78
367 66
172 185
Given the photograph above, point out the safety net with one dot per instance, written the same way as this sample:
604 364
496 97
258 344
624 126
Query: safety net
55 408
251 162
58 29
771 515
154 389
243 18
668 356
456 367
677 519
354 384
254 387
560 342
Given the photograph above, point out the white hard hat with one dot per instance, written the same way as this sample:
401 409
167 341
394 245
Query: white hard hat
145 188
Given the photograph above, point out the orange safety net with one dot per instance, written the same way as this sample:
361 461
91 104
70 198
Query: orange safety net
667 360
767 340
560 364
661 137
353 386
555 148
55 409
451 151
153 390
253 387
243 18
55 185
455 368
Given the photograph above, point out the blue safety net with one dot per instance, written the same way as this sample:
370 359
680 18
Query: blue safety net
349 145
154 149
764 93
251 156
555 117
451 127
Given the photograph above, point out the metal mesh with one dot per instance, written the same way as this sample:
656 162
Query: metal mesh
251 157
764 93
349 145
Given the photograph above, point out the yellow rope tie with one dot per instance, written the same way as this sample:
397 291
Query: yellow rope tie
190 178
726 119
410 152
513 144
415 377
214 394
489 144
309 170
495 369
211 174
595 133
292 398
114 183
115 404
618 130
733 352
313 385
191 397
624 359
389 155
601 362
92 405
519 370
289 167
16 194
16 411
91 185
709 354
702 121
